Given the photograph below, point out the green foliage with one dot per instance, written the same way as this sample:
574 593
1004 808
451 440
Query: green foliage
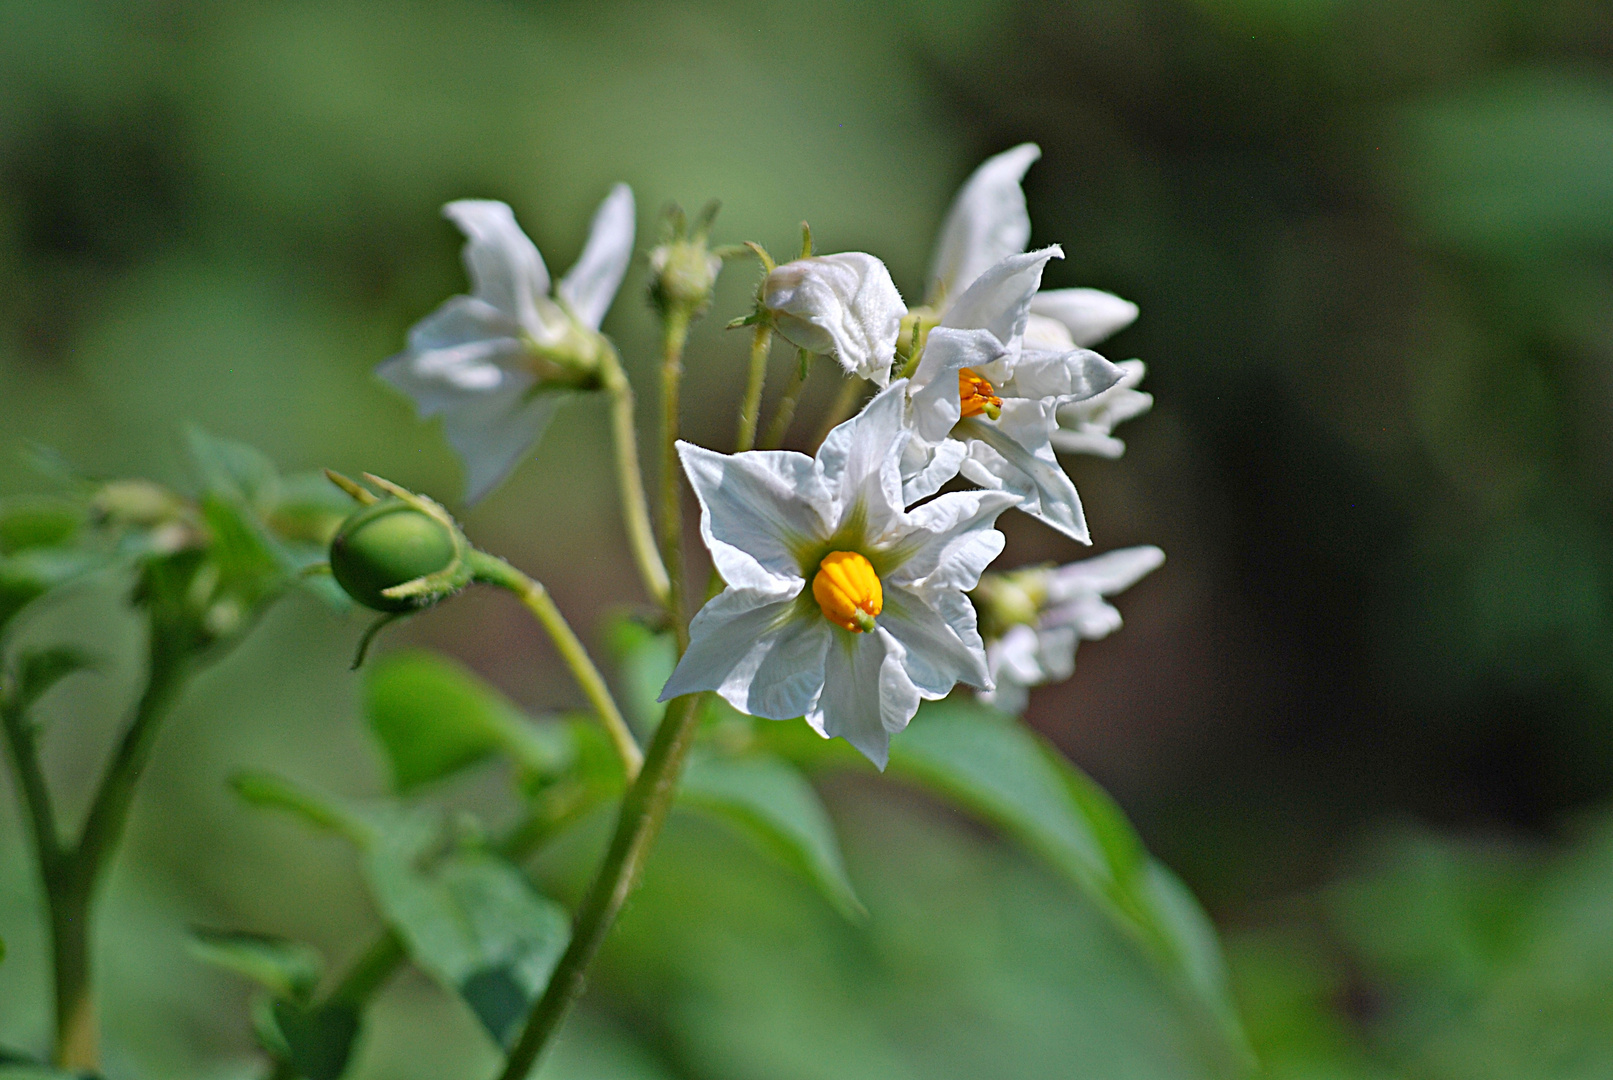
433 718
469 918
358 825
315 1041
39 670
996 767
643 660
38 522
770 802
287 969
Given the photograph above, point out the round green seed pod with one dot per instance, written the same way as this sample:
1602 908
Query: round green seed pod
386 544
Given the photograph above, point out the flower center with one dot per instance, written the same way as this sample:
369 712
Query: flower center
977 395
848 591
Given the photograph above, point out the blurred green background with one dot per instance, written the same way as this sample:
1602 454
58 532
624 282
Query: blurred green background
1363 709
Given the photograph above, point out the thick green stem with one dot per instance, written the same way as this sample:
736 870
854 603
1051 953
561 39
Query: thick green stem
71 889
750 409
643 812
784 411
630 480
492 570
674 334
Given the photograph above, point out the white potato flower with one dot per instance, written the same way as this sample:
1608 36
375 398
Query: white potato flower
985 401
841 605
1085 427
987 223
495 364
844 305
1036 617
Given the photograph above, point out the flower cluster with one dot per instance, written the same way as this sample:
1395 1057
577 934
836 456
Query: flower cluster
852 585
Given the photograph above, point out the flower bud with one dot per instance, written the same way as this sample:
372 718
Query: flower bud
845 306
388 544
685 273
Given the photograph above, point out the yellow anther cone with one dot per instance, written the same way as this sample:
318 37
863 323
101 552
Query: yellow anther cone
848 591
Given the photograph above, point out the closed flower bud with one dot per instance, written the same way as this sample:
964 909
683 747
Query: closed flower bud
385 545
844 306
685 273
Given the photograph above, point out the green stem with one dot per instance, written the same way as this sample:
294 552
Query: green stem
750 409
784 412
630 480
674 335
72 892
35 793
492 570
844 403
644 810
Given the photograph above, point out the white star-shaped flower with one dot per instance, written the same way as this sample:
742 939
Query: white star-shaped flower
841 605
985 401
844 305
1038 616
987 223
495 364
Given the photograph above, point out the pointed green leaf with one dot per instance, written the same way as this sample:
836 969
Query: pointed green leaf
31 522
358 825
470 919
317 1042
434 717
233 470
40 670
287 969
1001 770
773 804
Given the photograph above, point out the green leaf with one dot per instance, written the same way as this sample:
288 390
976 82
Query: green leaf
233 470
644 660
327 813
317 1042
770 802
31 522
287 969
250 563
40 670
30 574
434 717
470 919
1001 770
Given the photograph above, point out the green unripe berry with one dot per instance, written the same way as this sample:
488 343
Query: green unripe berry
387 544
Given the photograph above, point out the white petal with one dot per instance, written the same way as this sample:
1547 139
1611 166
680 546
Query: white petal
860 462
1055 650
867 695
757 509
463 350
1089 616
925 467
504 266
1087 442
755 650
987 222
1071 376
953 540
1104 575
1018 655
1000 298
998 460
845 306
1090 315
939 654
590 285
934 388
493 432
1044 333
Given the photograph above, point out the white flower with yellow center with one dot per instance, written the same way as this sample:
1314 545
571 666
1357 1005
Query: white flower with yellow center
844 306
987 223
496 364
985 399
841 605
1036 617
